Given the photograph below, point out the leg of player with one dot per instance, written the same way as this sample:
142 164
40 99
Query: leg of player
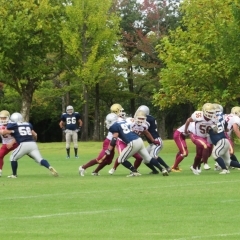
87 165
14 165
46 164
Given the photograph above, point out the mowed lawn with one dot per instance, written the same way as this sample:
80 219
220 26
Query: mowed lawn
181 206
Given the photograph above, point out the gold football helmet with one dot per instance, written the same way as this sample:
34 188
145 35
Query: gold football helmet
4 117
236 111
208 110
117 109
140 117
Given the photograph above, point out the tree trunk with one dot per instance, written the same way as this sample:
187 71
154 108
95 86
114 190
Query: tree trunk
26 104
84 135
96 131
161 124
131 89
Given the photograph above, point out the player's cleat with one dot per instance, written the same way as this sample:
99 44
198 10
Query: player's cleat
165 172
12 176
95 174
199 170
0 172
206 166
217 167
195 171
67 157
81 171
224 171
53 171
134 174
76 156
111 171
169 169
175 170
154 172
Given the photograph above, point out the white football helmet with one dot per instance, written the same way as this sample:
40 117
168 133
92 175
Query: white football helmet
111 118
218 107
69 110
4 117
145 109
16 117
236 111
117 109
140 117
209 110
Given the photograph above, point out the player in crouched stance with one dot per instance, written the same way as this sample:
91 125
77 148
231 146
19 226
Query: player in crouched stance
26 138
220 151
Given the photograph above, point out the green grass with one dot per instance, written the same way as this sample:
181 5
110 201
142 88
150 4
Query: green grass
182 206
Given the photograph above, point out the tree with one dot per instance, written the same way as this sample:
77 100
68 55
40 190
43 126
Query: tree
198 66
89 35
29 43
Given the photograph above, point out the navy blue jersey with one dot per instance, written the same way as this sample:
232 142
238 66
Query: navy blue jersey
152 127
71 121
123 131
217 132
22 131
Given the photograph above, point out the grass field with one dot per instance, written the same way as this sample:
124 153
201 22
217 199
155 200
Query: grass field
181 206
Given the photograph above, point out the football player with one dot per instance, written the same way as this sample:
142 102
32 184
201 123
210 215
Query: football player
26 138
8 141
233 123
154 147
102 159
203 120
71 123
120 144
139 126
221 147
179 137
135 144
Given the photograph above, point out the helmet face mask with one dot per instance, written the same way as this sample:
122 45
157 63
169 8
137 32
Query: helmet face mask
16 117
208 110
140 117
111 118
145 109
236 111
69 110
118 110
4 117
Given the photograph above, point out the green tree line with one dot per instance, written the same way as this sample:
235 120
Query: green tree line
168 55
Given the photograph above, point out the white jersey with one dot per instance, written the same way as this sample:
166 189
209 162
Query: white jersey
231 119
201 124
7 138
138 129
109 136
191 128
